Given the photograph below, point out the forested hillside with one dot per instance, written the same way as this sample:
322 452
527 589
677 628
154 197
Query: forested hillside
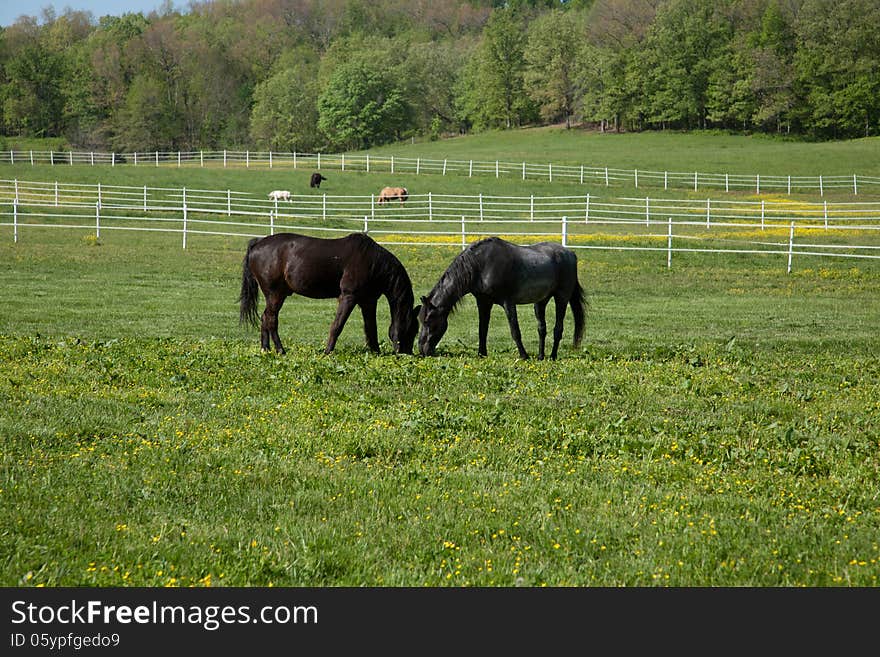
332 75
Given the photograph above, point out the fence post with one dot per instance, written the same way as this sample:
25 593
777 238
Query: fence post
12 157
98 219
224 158
70 157
669 246
270 159
481 206
789 185
99 192
825 204
52 158
373 206
294 159
471 169
15 220
708 212
524 170
582 174
418 165
855 186
113 159
157 158
762 215
695 180
56 193
324 207
550 171
145 198
368 163
228 203
463 240
564 230
272 222
726 182
790 245
757 183
92 157
606 176
343 161
15 184
665 180
392 164
135 158
444 166
532 208
178 159
430 208
821 187
587 210
276 204
366 225
636 177
647 211
184 217
32 158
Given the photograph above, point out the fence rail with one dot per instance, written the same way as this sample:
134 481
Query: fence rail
583 174
581 222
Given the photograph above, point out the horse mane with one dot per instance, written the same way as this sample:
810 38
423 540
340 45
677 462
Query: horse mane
384 265
458 277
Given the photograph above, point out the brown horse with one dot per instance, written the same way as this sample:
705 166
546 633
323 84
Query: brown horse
354 269
392 193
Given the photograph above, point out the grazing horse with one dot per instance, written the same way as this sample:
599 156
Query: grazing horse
354 269
315 180
392 193
279 195
506 274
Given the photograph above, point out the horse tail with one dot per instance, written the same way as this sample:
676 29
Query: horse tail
249 290
578 304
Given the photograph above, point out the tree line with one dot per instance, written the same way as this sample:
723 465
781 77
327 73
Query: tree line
307 76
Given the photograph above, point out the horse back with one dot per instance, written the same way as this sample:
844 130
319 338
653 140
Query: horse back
288 263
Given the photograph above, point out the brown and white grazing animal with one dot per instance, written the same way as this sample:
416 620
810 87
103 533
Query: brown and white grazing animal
279 195
392 193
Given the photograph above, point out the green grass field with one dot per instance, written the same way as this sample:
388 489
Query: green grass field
717 427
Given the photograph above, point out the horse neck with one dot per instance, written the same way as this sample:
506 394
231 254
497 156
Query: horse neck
398 291
454 284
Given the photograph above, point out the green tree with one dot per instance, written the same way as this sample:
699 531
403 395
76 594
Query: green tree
491 92
285 112
554 39
363 105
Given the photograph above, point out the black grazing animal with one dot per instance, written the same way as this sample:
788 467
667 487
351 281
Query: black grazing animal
506 274
354 269
316 180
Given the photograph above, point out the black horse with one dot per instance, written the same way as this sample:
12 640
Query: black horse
315 180
354 269
506 274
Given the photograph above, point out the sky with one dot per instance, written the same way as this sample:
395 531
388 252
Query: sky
10 10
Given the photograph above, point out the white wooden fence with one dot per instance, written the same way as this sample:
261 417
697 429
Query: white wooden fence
583 174
581 222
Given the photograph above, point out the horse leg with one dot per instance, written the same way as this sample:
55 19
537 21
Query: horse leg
269 323
510 309
484 308
540 307
343 310
368 310
561 304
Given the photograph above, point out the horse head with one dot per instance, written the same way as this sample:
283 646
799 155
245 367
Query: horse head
403 329
435 321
